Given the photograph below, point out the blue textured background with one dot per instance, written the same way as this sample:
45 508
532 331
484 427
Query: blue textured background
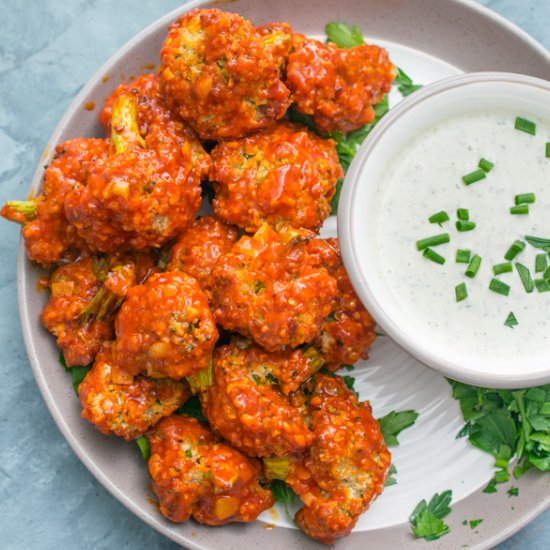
48 50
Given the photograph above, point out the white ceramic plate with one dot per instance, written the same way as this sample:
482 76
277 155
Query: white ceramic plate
430 39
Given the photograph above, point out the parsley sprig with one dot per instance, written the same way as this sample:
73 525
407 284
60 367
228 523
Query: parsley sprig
427 518
394 423
283 493
507 424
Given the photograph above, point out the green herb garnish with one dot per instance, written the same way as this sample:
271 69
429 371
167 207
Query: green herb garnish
538 242
394 423
474 176
439 218
463 214
283 493
525 198
463 256
499 287
525 277
505 267
461 292
192 407
404 83
486 165
78 373
474 523
426 519
144 447
513 491
526 126
390 480
514 250
520 209
436 240
541 263
511 320
465 225
473 268
542 285
547 150
343 35
433 256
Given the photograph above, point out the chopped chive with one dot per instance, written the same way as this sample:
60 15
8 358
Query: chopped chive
546 274
499 287
473 268
542 285
433 241
525 198
526 125
538 242
502 476
486 165
548 150
463 256
461 292
525 277
520 209
511 320
514 250
433 256
541 262
463 214
474 176
504 267
440 217
465 225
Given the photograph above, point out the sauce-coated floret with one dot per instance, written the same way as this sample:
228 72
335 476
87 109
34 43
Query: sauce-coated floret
198 250
146 192
247 407
348 331
165 327
338 86
46 231
347 463
121 404
285 174
271 289
222 75
193 475
85 293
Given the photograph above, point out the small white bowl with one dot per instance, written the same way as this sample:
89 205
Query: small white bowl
359 203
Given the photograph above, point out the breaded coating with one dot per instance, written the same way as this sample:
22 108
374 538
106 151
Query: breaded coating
165 328
222 76
193 475
86 291
46 231
347 463
246 406
145 193
338 86
118 403
285 174
348 331
198 250
152 110
271 289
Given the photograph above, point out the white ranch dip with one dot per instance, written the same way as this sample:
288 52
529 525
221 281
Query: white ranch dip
425 178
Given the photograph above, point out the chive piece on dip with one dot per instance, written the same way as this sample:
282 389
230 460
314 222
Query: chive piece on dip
433 256
541 262
465 225
436 240
548 150
463 214
525 198
542 285
499 287
526 125
525 277
463 256
520 209
511 320
486 165
474 176
461 292
473 268
440 217
505 267
514 250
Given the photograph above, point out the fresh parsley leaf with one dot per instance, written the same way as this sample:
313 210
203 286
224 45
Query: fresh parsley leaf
426 519
495 429
78 373
192 407
349 367
475 522
513 491
144 447
511 320
300 118
491 486
343 35
404 83
350 381
394 423
390 480
283 493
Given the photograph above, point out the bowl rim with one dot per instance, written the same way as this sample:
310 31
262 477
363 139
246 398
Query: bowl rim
349 240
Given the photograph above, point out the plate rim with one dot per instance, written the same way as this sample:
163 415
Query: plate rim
23 263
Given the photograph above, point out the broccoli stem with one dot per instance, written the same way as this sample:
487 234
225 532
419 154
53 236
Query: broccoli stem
20 211
201 380
276 467
124 126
